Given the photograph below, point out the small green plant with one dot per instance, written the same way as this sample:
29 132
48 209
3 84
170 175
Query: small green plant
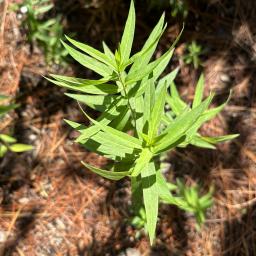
8 142
194 51
193 202
45 33
132 97
139 220
178 7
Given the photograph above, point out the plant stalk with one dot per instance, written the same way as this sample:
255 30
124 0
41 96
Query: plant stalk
129 103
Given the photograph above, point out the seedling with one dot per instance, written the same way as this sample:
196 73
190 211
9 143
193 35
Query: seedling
131 96
194 51
8 142
178 7
45 33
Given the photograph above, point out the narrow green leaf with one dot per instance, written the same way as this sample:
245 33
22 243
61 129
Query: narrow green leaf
206 116
180 125
79 127
156 114
122 121
143 159
106 174
198 141
176 103
91 89
168 79
139 74
105 145
163 189
92 52
155 41
159 69
145 55
127 38
3 150
144 137
106 117
219 139
149 101
7 138
150 45
80 81
199 92
89 62
139 107
108 52
167 119
99 143
42 9
122 137
210 113
150 197
97 102
20 147
46 25
137 194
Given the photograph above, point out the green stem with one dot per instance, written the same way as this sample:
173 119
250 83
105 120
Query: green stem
128 100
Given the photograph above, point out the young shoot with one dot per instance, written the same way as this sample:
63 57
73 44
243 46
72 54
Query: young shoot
132 95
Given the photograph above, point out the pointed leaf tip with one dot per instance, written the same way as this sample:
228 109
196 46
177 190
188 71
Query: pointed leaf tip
128 35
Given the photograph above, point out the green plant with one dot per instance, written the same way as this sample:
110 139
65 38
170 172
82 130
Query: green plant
8 142
139 220
194 51
178 7
132 97
192 202
46 33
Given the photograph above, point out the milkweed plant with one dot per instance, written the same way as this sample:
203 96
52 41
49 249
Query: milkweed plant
131 95
7 142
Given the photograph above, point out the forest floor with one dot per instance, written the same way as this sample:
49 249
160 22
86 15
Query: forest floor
51 205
